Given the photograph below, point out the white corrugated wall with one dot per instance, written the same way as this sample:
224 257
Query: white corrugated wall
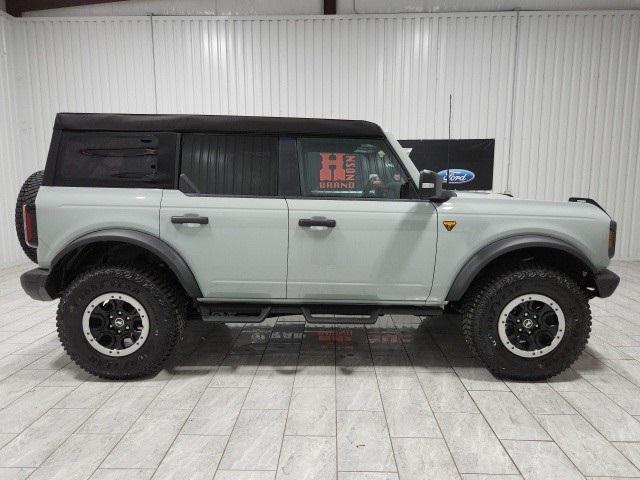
11 172
577 113
558 91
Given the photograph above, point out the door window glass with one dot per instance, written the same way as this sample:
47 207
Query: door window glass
351 168
229 164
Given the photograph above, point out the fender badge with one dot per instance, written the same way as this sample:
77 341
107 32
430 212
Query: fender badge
449 224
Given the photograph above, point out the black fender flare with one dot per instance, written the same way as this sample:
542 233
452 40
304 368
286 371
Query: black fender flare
145 240
488 253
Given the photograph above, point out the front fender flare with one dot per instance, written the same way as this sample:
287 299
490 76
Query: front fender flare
149 242
490 252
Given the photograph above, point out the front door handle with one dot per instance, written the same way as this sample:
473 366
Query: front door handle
181 220
317 222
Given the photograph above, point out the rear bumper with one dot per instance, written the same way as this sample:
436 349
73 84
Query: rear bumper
606 283
33 283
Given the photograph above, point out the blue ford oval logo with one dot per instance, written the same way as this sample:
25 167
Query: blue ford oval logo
457 175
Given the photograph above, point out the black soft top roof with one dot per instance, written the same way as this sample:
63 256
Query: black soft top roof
215 124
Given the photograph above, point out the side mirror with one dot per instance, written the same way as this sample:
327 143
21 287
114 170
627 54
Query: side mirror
430 185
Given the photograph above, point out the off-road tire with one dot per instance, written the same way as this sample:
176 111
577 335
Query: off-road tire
27 194
487 298
158 297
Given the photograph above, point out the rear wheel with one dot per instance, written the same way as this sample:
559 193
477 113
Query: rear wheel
119 322
526 323
27 195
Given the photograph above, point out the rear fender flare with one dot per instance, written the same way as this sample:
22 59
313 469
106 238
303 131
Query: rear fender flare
149 242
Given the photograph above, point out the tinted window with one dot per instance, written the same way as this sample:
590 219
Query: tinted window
229 164
351 168
116 159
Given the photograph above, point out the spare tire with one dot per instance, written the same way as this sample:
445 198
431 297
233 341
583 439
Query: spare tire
27 194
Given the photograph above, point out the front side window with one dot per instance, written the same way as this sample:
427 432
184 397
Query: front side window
229 164
351 168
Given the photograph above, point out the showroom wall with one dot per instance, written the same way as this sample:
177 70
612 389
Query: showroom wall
559 91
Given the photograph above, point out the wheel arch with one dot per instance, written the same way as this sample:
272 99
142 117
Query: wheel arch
518 247
144 241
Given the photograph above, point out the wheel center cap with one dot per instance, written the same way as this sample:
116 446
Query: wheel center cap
119 322
527 323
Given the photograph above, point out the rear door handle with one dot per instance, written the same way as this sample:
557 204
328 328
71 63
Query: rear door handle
187 219
317 222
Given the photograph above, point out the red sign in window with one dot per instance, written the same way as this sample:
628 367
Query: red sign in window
337 171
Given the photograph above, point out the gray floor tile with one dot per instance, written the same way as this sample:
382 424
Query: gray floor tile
475 376
540 398
446 393
42 438
367 476
216 412
149 437
122 474
424 458
19 383
76 458
474 447
255 441
182 391
191 456
28 408
315 371
89 395
15 473
408 414
121 411
541 460
358 390
311 458
508 418
481 476
244 475
586 448
631 451
312 412
236 371
271 389
607 417
363 442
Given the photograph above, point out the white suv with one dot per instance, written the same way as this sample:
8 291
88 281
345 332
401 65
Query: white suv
139 221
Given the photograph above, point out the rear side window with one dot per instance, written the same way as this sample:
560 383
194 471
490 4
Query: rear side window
229 164
116 159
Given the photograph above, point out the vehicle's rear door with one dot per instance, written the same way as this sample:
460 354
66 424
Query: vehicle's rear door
357 231
226 219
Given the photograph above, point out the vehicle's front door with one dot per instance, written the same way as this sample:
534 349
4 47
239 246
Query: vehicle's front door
358 232
226 220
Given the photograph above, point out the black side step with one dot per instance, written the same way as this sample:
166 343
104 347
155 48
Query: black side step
236 317
353 319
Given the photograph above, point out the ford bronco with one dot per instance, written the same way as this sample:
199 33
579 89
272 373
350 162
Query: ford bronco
141 221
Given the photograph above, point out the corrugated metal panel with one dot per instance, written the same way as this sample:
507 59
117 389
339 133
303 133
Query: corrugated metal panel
9 144
577 109
81 65
394 70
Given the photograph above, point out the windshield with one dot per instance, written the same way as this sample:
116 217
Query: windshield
404 157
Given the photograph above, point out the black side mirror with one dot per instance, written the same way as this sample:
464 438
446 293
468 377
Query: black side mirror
430 185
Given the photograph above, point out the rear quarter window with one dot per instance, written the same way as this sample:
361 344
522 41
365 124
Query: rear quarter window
116 159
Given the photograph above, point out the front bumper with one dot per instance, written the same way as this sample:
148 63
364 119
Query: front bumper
606 283
33 283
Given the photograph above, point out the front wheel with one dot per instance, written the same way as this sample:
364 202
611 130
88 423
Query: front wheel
119 322
526 322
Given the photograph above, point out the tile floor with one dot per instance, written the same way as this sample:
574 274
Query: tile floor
398 400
